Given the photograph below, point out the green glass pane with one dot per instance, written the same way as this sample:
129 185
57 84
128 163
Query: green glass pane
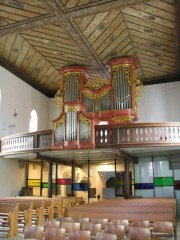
163 181
45 185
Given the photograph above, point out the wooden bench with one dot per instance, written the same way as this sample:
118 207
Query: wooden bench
9 218
151 209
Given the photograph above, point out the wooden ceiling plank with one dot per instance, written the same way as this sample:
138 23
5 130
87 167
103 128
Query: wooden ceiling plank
162 5
156 39
28 58
3 41
177 34
57 54
38 41
12 17
15 51
156 60
30 6
66 62
43 37
43 71
103 6
18 12
155 54
34 61
106 27
26 25
148 17
110 44
110 37
169 36
94 24
157 69
156 11
84 22
55 77
40 65
146 26
47 76
161 65
8 46
35 3
49 81
23 52
126 49
60 49
71 4
152 44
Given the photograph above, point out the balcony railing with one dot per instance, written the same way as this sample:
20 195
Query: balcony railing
138 134
122 135
26 142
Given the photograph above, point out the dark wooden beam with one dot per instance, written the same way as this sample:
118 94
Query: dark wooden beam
79 40
94 8
28 24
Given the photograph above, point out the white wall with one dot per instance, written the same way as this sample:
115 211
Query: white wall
19 96
12 177
16 94
160 103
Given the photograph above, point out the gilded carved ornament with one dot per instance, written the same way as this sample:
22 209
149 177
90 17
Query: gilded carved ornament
96 88
123 118
59 123
85 120
71 108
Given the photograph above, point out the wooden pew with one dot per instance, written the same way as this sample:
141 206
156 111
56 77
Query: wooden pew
9 218
150 209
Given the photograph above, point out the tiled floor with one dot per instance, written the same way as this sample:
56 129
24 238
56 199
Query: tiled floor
20 236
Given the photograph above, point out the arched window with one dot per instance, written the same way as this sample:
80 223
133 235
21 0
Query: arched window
33 121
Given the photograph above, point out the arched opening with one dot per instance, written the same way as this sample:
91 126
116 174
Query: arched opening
33 121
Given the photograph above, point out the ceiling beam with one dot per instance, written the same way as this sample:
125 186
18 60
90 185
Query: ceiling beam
94 8
29 24
79 40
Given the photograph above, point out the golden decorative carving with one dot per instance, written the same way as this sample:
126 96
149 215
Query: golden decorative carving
92 95
71 108
58 98
59 123
96 88
85 120
96 83
123 118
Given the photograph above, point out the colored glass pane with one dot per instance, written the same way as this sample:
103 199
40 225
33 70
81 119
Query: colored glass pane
163 181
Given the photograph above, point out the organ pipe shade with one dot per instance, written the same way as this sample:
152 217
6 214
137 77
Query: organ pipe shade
71 91
71 126
122 88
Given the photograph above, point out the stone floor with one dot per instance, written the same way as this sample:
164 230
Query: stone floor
20 236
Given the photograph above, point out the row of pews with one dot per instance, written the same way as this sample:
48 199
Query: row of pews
18 212
135 209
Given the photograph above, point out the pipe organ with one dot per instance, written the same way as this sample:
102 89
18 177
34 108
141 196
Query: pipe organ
85 101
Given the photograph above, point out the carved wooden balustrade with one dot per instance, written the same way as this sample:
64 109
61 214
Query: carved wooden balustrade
138 134
26 142
120 135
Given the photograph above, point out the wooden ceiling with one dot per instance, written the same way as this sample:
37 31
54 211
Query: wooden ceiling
38 38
